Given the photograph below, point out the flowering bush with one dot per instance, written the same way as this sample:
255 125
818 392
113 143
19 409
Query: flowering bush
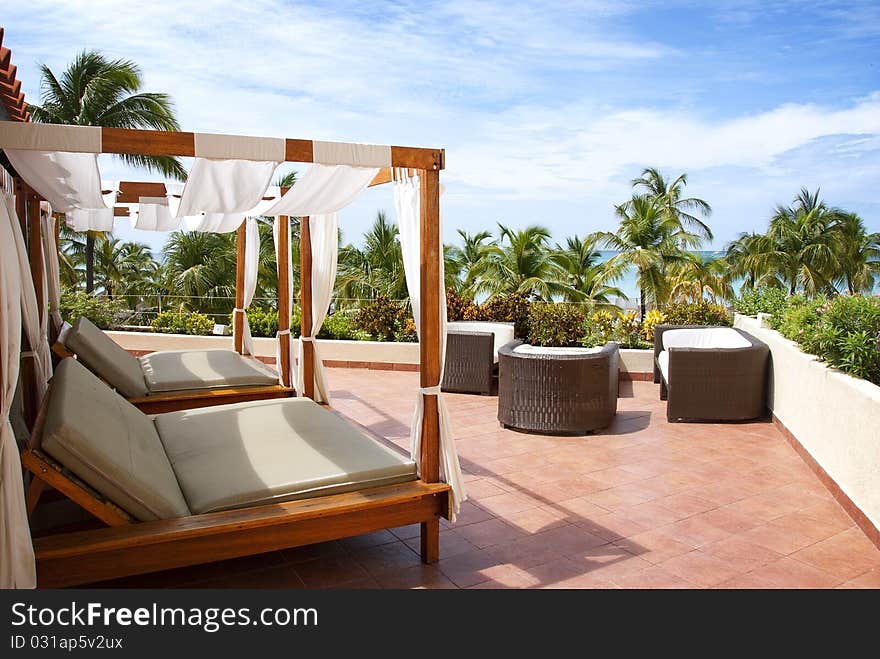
381 318
761 300
843 331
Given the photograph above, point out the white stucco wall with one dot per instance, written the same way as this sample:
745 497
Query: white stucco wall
631 361
834 416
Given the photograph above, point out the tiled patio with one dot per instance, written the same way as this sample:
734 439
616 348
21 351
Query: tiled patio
645 505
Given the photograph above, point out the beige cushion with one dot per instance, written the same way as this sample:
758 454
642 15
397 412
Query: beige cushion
271 451
106 358
109 444
528 349
175 370
708 338
663 364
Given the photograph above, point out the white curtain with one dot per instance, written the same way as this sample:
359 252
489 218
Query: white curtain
155 214
224 191
17 569
290 357
51 268
66 180
406 204
324 239
251 265
34 330
319 194
324 189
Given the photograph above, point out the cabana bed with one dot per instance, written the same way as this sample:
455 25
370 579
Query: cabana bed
281 460
219 527
170 380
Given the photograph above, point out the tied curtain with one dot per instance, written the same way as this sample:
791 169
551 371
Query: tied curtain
407 207
251 265
321 192
51 269
17 568
33 320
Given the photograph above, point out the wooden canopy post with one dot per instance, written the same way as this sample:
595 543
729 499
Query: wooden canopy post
307 358
284 294
429 345
237 320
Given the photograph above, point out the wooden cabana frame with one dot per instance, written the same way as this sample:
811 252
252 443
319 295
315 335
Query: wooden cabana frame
136 548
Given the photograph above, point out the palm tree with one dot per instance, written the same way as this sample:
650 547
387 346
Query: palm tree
804 243
586 274
122 268
751 257
649 239
377 268
200 268
96 91
699 276
674 205
521 262
467 259
858 253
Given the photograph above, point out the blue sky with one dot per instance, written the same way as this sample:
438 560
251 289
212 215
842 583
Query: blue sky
546 110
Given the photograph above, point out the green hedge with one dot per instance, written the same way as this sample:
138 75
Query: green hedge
102 311
843 331
761 300
183 322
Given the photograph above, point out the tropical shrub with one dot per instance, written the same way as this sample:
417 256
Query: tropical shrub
799 317
408 332
505 308
696 313
264 322
458 306
102 311
183 322
767 299
845 332
382 318
556 324
653 318
624 328
341 327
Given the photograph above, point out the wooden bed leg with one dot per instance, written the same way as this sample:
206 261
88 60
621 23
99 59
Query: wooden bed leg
35 490
431 541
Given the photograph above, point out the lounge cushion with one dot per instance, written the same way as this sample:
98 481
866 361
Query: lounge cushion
179 370
246 454
710 337
502 332
109 444
106 358
663 364
528 349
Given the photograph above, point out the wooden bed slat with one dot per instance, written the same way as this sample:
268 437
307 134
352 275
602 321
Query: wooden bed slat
172 402
88 556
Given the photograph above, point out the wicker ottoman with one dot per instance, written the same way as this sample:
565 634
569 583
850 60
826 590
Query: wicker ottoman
557 391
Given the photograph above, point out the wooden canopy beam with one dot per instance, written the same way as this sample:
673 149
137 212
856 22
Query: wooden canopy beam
180 143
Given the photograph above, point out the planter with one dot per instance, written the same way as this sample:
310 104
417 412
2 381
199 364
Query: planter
833 416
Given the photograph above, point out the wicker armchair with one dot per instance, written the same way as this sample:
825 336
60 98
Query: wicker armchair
471 365
557 393
712 383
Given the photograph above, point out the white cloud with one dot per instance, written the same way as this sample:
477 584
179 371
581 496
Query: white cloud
490 82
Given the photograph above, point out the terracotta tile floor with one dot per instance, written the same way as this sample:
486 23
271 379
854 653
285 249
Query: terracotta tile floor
645 504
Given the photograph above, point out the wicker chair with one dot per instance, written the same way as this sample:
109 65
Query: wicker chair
713 384
471 365
560 394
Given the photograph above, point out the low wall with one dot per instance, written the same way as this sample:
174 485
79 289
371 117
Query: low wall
634 364
833 416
